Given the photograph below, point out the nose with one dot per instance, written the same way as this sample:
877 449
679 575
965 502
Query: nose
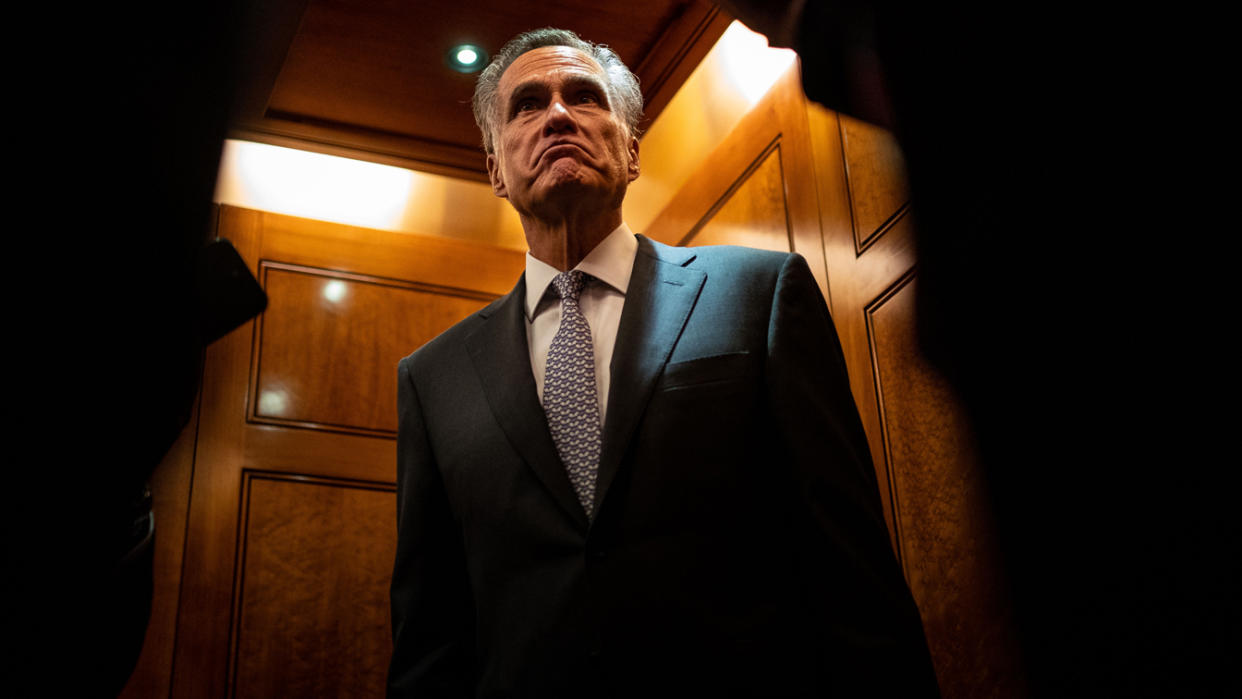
558 118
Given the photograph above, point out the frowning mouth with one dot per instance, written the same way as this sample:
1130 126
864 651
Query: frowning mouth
561 150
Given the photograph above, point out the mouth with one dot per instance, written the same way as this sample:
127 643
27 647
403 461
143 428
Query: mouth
561 150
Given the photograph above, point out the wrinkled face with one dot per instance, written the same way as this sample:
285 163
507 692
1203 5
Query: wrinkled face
559 141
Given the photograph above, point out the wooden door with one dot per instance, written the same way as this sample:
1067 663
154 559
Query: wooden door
794 176
290 534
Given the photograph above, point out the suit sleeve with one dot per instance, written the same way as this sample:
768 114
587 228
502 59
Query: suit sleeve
866 624
432 610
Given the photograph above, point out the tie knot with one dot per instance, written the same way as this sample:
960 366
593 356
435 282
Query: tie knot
569 284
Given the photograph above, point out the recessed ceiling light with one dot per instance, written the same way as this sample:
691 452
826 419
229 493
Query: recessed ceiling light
466 58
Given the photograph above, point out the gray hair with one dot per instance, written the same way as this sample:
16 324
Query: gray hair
622 83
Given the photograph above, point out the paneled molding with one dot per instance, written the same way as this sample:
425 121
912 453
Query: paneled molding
875 173
768 188
875 316
947 547
311 614
776 126
326 347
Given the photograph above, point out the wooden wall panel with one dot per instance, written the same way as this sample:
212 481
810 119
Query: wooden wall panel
762 172
944 526
328 342
313 588
441 262
201 652
291 529
930 483
857 277
754 214
875 171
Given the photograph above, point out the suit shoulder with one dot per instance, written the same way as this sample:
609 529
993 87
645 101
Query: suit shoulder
733 259
738 257
742 268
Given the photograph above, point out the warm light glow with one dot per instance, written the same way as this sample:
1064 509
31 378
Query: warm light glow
733 77
273 403
314 185
750 64
311 185
334 291
467 56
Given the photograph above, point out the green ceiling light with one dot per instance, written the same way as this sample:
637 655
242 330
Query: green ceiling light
467 58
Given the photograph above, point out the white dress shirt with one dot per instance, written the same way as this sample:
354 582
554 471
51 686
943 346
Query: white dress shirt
602 298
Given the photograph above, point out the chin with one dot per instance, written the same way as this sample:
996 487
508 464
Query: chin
566 170
574 184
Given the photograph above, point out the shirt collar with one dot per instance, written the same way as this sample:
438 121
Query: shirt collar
612 262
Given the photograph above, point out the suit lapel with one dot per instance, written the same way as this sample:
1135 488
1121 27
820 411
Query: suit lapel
501 358
661 295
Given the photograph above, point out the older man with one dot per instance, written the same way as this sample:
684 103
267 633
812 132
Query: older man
640 473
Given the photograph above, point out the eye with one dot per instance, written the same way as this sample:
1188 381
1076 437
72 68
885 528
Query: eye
588 98
525 105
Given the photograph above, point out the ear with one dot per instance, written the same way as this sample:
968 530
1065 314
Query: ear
633 166
494 174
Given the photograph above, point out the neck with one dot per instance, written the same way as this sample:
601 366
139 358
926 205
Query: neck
563 242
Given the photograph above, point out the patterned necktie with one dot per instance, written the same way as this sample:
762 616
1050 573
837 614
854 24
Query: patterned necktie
569 397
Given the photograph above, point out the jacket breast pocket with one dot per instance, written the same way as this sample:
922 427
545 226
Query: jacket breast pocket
716 370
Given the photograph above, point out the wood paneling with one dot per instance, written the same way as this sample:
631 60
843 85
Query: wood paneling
328 341
369 80
876 174
931 484
686 40
944 524
200 661
766 158
402 286
313 614
856 280
754 214
417 259
787 157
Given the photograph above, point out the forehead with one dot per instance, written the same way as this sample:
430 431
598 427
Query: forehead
549 63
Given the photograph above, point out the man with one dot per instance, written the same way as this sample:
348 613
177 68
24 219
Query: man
640 473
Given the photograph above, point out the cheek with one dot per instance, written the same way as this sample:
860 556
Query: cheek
616 144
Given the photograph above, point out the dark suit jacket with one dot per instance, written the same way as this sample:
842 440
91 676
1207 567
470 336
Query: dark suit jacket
737 546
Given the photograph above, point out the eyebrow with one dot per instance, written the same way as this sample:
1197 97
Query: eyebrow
576 81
